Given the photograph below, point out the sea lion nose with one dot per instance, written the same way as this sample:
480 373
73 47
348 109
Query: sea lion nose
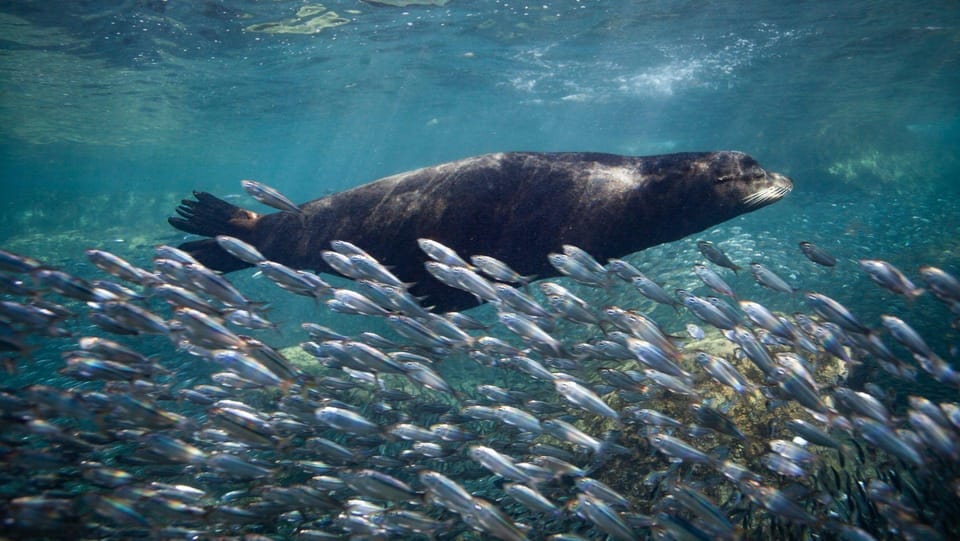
783 181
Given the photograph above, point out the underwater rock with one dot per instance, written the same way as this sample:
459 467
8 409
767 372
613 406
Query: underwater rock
405 3
310 19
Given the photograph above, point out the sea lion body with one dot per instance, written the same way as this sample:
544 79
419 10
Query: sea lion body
516 207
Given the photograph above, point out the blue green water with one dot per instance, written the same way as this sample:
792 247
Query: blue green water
111 112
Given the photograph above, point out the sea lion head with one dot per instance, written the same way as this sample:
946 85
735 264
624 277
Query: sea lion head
707 188
739 181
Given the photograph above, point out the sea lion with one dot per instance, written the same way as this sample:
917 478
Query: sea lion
514 206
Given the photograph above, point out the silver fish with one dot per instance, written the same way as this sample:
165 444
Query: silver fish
623 269
427 377
571 310
517 417
341 264
890 277
906 335
769 279
346 420
346 301
498 270
121 268
473 283
716 420
678 449
240 249
672 383
792 451
886 439
835 312
812 434
373 270
136 317
776 502
754 350
531 333
863 404
441 253
565 431
715 255
704 508
206 330
246 366
583 258
713 280
939 438
376 484
531 498
652 417
583 397
706 311
497 463
520 301
269 196
817 255
602 492
653 291
215 285
18 264
577 270
653 357
798 388
641 326
486 517
942 284
604 517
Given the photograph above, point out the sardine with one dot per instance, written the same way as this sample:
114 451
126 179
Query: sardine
269 196
713 280
715 255
891 278
768 279
441 253
817 255
583 397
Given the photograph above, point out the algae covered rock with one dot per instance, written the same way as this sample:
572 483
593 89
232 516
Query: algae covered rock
405 3
309 19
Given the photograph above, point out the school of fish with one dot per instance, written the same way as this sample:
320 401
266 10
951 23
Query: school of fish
581 420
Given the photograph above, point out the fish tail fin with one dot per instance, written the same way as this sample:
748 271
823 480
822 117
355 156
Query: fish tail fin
210 216
914 293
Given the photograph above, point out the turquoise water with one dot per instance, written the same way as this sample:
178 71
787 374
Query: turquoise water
110 113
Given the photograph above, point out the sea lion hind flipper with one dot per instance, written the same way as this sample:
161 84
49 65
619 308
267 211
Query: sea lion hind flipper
209 253
211 216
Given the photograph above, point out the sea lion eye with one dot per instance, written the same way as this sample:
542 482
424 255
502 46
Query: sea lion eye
722 179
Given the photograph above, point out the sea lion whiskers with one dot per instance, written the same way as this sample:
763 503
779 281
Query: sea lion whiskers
765 196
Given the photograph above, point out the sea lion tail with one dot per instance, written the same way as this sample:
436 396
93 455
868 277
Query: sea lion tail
211 216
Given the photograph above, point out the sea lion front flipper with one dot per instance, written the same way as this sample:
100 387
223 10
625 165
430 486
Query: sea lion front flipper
209 253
